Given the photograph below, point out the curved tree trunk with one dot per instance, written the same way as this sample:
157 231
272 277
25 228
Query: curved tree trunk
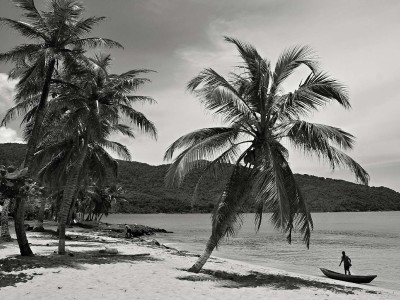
228 207
19 215
68 195
5 231
39 222
204 257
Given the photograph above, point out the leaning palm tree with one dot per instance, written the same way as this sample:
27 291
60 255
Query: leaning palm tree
249 152
59 33
84 114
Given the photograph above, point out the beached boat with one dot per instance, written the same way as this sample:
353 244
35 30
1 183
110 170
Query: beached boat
349 278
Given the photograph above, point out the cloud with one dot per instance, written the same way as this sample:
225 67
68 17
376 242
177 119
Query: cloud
7 91
8 135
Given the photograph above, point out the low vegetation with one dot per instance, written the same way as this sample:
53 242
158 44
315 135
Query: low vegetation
143 187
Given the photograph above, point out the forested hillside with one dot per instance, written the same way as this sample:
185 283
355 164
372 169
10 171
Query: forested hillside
146 193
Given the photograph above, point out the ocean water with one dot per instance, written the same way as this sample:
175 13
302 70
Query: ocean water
370 239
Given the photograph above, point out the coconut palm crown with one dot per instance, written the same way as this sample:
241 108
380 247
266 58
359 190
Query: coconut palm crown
249 151
59 36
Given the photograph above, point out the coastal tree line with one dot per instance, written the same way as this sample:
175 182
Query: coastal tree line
70 104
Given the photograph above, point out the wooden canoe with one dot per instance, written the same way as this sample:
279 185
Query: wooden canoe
348 278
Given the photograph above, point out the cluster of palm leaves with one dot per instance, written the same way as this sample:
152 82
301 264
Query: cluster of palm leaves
249 153
96 201
71 104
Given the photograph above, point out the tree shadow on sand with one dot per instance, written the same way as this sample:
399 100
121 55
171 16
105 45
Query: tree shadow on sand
76 261
256 279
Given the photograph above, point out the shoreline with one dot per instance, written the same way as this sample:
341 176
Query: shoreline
144 270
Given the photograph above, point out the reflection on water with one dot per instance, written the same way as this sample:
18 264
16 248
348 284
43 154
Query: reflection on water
371 239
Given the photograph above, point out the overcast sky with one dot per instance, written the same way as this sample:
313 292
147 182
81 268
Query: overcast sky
358 43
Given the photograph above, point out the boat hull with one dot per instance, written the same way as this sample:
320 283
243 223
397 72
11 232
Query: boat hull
348 278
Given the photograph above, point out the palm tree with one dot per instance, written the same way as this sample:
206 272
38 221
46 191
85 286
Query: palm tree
86 112
249 152
98 200
60 34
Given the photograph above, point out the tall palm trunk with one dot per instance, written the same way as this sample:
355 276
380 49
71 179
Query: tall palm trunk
5 232
19 216
72 208
39 222
68 195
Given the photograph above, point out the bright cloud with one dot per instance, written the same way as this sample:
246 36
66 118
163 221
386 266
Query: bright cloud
7 90
8 135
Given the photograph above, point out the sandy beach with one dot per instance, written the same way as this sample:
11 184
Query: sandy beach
142 269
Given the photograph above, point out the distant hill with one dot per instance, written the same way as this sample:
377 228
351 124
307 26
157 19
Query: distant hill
146 193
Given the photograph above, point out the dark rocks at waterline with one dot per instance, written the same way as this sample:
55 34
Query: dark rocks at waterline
118 230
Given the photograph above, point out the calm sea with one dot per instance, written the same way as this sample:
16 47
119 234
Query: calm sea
370 239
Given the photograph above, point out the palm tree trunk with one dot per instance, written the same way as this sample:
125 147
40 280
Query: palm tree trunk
72 208
39 222
19 216
219 228
68 195
39 117
211 244
5 231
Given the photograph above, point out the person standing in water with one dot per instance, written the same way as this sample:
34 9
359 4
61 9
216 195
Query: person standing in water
346 262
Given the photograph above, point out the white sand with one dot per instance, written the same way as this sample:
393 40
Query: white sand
145 279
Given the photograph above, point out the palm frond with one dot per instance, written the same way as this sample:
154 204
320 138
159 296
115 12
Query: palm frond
195 137
220 166
118 148
20 52
333 156
322 89
19 109
84 26
270 190
95 42
124 129
136 99
127 86
290 60
139 120
202 148
25 29
31 11
254 63
277 191
319 135
226 218
218 95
